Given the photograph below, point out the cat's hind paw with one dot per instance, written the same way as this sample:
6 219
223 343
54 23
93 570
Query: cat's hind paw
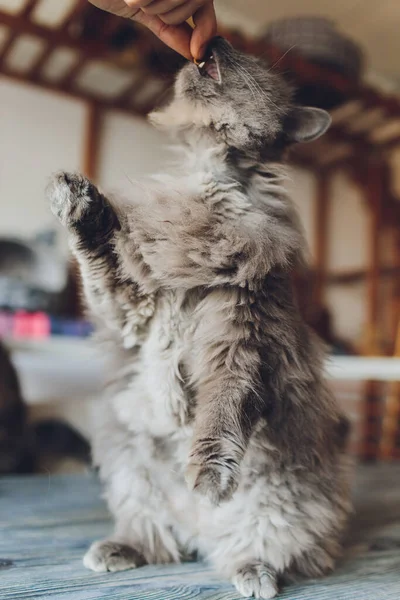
256 580
112 556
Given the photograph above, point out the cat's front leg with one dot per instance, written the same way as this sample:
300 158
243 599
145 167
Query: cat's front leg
84 211
225 368
226 413
98 237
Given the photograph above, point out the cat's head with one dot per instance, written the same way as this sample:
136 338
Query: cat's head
237 99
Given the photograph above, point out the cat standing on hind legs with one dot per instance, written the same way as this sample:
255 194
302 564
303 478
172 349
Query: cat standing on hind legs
218 434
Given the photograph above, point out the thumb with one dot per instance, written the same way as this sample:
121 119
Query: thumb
206 28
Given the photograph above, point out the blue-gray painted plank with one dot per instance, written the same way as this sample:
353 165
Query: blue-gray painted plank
46 523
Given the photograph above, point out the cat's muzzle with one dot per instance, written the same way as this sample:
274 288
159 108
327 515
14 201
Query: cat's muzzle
209 67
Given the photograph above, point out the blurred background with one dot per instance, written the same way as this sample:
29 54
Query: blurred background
75 87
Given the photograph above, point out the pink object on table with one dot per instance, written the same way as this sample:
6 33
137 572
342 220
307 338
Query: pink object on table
31 325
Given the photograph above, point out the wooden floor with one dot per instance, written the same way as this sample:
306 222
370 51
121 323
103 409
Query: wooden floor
46 524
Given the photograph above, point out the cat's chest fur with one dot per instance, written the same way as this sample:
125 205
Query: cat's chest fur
155 398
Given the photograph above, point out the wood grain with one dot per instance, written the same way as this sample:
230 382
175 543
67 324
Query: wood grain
47 523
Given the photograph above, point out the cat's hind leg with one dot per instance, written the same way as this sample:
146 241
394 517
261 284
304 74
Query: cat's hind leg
141 541
137 480
108 555
256 580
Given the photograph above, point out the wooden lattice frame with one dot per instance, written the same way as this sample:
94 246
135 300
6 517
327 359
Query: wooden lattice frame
344 142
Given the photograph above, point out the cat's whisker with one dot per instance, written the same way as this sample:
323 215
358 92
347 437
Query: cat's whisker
261 91
281 58
253 85
250 84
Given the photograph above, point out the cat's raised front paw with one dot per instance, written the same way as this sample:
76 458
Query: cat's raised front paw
212 472
70 195
112 556
256 580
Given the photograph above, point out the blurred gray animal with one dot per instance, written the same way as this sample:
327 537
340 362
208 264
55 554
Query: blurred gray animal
27 447
32 274
217 379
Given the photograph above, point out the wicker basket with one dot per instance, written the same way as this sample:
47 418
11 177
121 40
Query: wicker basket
318 41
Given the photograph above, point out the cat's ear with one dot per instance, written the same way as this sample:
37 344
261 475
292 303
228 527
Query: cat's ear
306 124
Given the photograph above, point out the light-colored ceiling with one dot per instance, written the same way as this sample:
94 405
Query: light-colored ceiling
374 24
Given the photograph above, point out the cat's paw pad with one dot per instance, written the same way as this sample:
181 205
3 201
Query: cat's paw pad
70 196
212 474
111 556
256 581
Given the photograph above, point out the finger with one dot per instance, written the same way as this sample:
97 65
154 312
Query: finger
138 3
159 7
116 7
176 37
180 14
206 28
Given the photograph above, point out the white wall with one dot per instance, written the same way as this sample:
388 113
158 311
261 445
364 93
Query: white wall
347 245
348 222
42 132
347 250
130 149
39 134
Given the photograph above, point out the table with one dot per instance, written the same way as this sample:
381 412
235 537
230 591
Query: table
46 524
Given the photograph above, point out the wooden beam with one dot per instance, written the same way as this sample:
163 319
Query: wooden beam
68 80
57 37
73 13
92 140
36 70
391 415
14 33
322 198
7 47
389 145
75 94
28 8
395 288
375 192
374 189
358 275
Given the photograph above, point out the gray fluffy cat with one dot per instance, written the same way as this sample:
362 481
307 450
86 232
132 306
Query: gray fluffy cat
218 433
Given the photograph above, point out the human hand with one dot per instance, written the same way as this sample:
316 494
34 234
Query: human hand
167 20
